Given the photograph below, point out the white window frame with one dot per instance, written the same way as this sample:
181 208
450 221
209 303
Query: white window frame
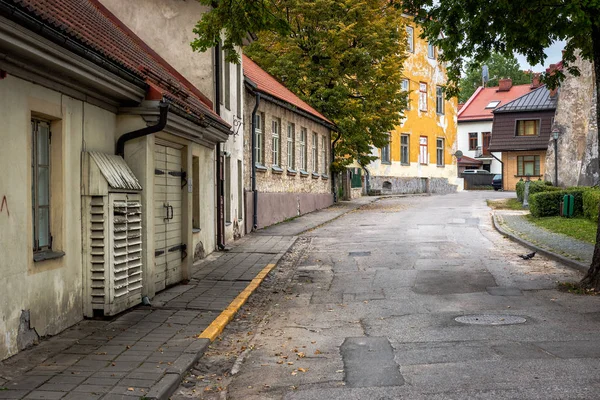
410 39
315 159
324 154
258 141
276 142
422 96
303 149
439 100
430 51
406 88
291 146
423 150
439 144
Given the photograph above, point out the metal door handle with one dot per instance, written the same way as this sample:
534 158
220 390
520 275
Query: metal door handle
169 215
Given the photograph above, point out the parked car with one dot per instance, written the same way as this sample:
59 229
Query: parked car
475 171
497 182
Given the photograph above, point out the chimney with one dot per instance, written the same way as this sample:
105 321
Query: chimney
504 85
535 81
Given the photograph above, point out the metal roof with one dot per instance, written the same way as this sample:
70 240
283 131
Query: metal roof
536 100
116 171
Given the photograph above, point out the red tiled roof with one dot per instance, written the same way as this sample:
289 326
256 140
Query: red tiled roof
269 85
92 25
474 109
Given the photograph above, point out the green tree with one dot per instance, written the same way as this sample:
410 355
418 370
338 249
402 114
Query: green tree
343 57
499 67
474 29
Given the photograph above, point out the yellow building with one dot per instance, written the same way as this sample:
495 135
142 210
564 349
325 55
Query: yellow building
419 155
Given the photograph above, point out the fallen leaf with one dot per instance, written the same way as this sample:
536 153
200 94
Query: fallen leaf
301 355
290 363
294 373
317 351
131 389
302 369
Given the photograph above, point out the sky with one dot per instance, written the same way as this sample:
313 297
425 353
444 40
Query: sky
553 52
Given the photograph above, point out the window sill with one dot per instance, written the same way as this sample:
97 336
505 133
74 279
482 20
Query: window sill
440 114
528 176
405 164
315 175
303 173
291 172
196 230
47 255
324 176
386 162
441 166
227 223
260 168
277 170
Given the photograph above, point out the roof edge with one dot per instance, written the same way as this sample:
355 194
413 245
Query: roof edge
468 103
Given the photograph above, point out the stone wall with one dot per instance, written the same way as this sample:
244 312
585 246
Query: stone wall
577 142
398 185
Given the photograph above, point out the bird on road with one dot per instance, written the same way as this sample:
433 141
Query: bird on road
527 256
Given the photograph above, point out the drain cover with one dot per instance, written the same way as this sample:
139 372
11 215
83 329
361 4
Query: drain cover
487 319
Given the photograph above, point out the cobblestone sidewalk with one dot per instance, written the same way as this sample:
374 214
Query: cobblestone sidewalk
144 353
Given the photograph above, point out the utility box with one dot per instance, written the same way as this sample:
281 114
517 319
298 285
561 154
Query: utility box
567 206
112 235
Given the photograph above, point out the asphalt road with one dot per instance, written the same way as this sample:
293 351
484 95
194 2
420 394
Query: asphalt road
370 309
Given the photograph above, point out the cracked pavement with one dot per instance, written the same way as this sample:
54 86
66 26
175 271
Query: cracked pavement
368 312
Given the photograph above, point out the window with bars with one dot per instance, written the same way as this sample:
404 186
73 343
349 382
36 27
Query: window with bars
528 127
422 96
528 165
385 152
410 39
439 148
315 159
291 146
439 100
40 184
276 150
473 141
404 149
259 139
303 149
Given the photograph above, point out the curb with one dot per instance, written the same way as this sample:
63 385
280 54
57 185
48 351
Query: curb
169 383
550 254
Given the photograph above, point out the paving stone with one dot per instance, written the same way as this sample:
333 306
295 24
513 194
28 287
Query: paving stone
138 383
13 394
93 388
57 387
80 396
102 381
67 379
39 394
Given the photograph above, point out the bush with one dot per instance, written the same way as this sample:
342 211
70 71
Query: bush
534 187
547 204
591 202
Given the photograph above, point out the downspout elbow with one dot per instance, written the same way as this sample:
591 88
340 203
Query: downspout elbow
162 122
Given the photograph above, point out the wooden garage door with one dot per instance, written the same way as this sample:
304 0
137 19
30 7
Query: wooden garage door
168 198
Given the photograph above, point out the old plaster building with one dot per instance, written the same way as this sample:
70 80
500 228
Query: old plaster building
289 169
111 153
419 155
575 120
521 131
222 82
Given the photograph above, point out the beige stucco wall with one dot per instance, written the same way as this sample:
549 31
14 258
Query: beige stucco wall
509 160
271 182
51 290
166 26
171 41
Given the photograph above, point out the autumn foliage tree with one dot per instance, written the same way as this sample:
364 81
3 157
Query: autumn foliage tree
473 29
343 57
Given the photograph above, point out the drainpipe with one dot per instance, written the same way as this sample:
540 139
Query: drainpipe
162 122
501 163
332 157
220 228
254 192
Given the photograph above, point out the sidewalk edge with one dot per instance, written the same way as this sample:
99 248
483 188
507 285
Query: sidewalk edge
554 256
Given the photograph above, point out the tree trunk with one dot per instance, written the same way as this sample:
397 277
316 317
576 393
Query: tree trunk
592 278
